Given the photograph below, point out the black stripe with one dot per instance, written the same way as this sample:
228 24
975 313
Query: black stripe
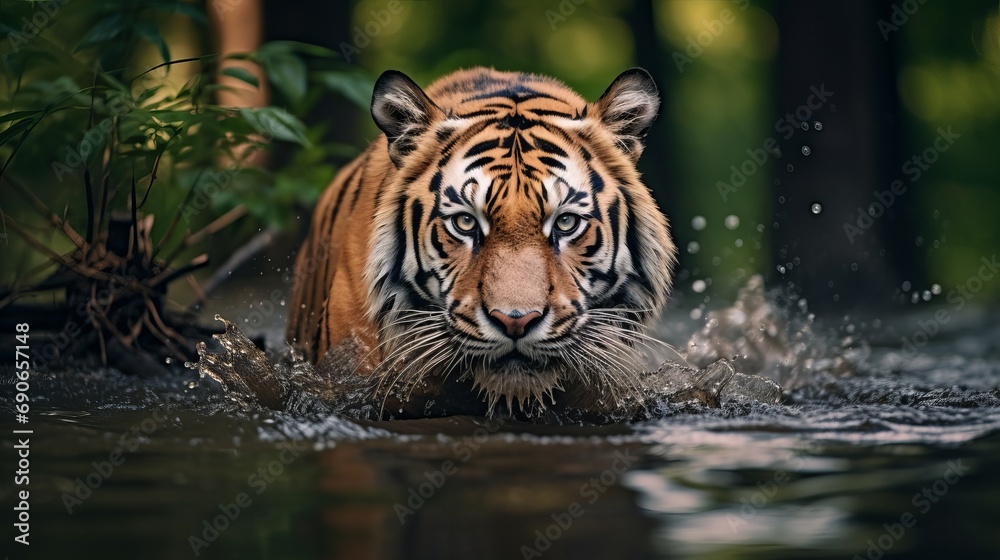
634 244
438 246
596 182
478 163
551 162
592 250
481 147
551 113
360 184
549 147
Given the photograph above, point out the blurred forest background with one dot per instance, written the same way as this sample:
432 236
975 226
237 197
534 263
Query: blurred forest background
899 74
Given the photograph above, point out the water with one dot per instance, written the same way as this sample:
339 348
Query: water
875 450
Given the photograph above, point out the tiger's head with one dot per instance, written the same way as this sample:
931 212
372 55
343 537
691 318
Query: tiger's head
514 241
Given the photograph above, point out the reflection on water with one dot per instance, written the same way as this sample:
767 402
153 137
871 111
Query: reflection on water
897 459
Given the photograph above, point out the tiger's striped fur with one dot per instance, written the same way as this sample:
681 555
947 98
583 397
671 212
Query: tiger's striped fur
497 232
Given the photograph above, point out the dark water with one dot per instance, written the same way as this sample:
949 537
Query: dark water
898 458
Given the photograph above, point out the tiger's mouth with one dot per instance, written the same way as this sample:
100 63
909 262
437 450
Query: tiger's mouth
517 380
517 362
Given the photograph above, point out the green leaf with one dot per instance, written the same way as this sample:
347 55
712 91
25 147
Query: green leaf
145 95
15 129
355 87
17 115
105 30
276 123
152 34
288 73
241 74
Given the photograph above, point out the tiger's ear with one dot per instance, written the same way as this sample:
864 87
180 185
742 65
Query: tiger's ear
628 108
402 111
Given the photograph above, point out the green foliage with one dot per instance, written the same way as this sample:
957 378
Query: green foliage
72 107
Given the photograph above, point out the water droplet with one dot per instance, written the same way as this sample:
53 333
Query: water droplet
919 241
818 125
693 247
168 360
732 222
854 267
760 228
698 223
926 295
698 286
777 181
806 150
937 214
716 261
803 305
816 208
192 384
696 313
914 297
935 289
780 269
789 168
739 242
804 126
781 200
906 285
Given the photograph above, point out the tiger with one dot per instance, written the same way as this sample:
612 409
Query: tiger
495 243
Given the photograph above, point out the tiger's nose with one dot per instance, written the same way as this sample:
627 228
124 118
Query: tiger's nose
515 323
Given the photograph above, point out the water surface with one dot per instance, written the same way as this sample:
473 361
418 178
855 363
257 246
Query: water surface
897 456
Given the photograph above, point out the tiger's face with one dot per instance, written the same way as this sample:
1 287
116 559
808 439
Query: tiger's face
518 245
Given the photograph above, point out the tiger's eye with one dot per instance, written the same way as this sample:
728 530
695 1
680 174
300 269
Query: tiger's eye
464 222
567 223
